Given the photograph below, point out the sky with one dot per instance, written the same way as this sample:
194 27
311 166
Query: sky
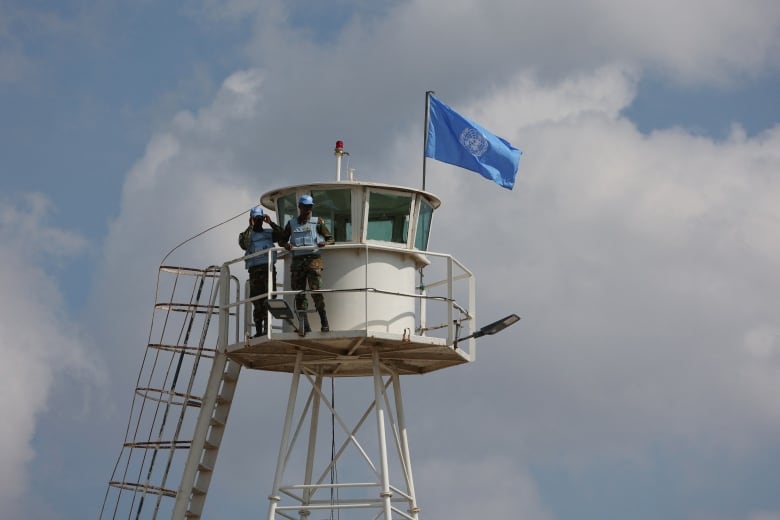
640 243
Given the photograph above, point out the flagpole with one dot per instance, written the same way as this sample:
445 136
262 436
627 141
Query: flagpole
425 132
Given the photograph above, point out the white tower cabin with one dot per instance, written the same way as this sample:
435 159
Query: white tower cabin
394 309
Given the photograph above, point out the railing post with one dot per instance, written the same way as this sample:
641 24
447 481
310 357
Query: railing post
450 307
224 308
473 313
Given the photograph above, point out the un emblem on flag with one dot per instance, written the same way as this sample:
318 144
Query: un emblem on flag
473 141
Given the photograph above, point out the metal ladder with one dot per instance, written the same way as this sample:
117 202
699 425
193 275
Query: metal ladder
169 388
207 438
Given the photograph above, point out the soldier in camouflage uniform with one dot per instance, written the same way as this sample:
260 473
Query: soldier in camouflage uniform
306 231
252 240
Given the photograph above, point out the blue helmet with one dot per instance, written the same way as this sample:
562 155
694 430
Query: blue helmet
257 211
306 200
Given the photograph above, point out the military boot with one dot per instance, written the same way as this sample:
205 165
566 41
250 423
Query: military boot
260 328
324 327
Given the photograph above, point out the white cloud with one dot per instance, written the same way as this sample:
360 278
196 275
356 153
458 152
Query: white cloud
38 341
697 42
701 41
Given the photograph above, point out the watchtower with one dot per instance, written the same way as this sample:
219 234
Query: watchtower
395 308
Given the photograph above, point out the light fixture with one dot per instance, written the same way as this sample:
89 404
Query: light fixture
497 326
492 328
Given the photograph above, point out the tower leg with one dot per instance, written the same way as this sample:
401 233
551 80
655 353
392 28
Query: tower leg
313 427
406 459
281 460
379 392
370 488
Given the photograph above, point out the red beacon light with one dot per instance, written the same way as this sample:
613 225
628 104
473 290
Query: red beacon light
339 153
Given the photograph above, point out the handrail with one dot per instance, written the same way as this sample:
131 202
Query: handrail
453 272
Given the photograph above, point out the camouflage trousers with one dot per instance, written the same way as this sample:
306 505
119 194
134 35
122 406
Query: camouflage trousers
307 269
258 284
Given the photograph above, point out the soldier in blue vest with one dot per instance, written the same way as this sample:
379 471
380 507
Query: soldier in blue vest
252 240
307 231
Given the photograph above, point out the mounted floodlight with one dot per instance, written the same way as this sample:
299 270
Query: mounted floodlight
492 328
280 310
497 326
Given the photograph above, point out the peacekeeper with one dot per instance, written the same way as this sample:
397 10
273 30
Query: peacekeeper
305 230
255 238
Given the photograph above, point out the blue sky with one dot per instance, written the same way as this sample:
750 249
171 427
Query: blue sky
640 242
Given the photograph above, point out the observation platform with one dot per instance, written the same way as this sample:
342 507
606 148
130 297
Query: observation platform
347 353
385 293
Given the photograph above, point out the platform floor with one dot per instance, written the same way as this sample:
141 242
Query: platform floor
346 353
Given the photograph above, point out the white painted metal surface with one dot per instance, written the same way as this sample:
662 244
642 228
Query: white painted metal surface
383 494
388 273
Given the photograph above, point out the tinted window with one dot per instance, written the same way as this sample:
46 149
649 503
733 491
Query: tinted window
286 208
335 208
423 226
388 217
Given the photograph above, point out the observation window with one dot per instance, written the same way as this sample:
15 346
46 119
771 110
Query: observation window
388 217
423 225
286 208
335 208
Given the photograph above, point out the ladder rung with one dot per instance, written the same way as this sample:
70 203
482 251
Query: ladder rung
205 469
197 491
216 422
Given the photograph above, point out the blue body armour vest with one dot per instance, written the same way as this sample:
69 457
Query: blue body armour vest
260 240
304 235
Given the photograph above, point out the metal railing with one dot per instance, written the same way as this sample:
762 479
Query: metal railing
444 292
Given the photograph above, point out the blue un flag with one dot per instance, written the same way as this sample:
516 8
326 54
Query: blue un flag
461 142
